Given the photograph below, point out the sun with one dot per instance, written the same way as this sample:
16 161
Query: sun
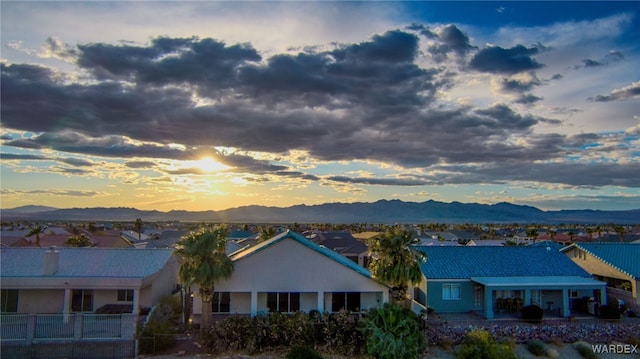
208 165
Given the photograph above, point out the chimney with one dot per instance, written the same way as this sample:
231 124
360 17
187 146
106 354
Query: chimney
51 257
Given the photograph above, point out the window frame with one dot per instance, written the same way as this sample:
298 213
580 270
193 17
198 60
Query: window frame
125 295
10 299
449 288
221 302
283 302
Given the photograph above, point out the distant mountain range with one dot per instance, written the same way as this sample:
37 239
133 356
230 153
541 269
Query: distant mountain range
383 211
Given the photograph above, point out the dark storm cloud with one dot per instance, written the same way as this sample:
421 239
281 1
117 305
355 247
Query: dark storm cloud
496 59
23 157
631 91
528 99
450 39
377 181
363 101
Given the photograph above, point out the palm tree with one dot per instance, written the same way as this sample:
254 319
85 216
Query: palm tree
532 233
203 261
394 261
37 230
138 225
266 233
80 240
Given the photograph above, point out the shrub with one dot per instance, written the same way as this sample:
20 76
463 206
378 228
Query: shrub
536 347
155 337
532 313
609 312
584 350
556 341
341 334
393 332
479 345
303 353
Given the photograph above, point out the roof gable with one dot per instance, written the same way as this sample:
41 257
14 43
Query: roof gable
622 256
85 262
243 253
488 261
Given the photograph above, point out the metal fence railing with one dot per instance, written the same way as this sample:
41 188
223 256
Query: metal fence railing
74 326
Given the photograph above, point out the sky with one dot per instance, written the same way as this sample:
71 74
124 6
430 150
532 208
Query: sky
213 105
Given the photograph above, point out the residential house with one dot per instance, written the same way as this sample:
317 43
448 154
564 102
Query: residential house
491 279
290 273
345 244
618 264
67 280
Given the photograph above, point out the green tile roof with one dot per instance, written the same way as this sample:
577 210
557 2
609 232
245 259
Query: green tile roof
623 256
490 261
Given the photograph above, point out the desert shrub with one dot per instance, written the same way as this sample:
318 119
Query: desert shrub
155 337
536 347
303 353
552 353
532 313
585 350
393 332
446 343
609 312
341 334
479 345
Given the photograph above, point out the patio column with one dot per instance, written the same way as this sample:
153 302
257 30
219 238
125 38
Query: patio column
66 309
527 297
320 305
254 303
566 312
603 296
136 302
488 303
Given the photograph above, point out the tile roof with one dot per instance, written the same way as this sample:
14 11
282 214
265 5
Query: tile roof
85 262
243 253
623 256
489 261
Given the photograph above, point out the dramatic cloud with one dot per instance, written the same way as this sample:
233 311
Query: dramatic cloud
495 59
631 91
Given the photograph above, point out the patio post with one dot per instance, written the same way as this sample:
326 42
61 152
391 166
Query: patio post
488 303
67 305
254 303
527 297
603 296
566 312
320 301
136 302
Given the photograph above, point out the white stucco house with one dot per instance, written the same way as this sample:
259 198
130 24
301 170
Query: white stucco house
290 273
85 280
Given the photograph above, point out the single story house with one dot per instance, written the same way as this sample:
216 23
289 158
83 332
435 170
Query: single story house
67 280
290 273
345 244
618 264
485 279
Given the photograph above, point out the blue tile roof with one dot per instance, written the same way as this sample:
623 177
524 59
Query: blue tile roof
623 256
243 253
488 261
85 262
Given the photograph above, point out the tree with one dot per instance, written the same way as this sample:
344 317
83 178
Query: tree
203 261
394 262
393 332
36 231
80 240
266 233
532 233
139 226
620 230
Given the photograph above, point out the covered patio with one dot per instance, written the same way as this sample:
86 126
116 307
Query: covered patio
510 294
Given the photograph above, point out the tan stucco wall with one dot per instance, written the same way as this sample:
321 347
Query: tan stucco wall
289 266
40 301
595 266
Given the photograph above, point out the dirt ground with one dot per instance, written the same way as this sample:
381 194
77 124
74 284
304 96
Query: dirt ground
189 349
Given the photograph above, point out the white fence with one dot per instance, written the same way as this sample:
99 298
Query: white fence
77 326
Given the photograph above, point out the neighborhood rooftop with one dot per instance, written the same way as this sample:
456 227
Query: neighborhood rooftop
480 261
623 256
85 262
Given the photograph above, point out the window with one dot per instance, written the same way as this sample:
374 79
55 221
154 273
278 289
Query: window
125 295
9 300
573 293
221 302
451 291
345 300
283 302
82 300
